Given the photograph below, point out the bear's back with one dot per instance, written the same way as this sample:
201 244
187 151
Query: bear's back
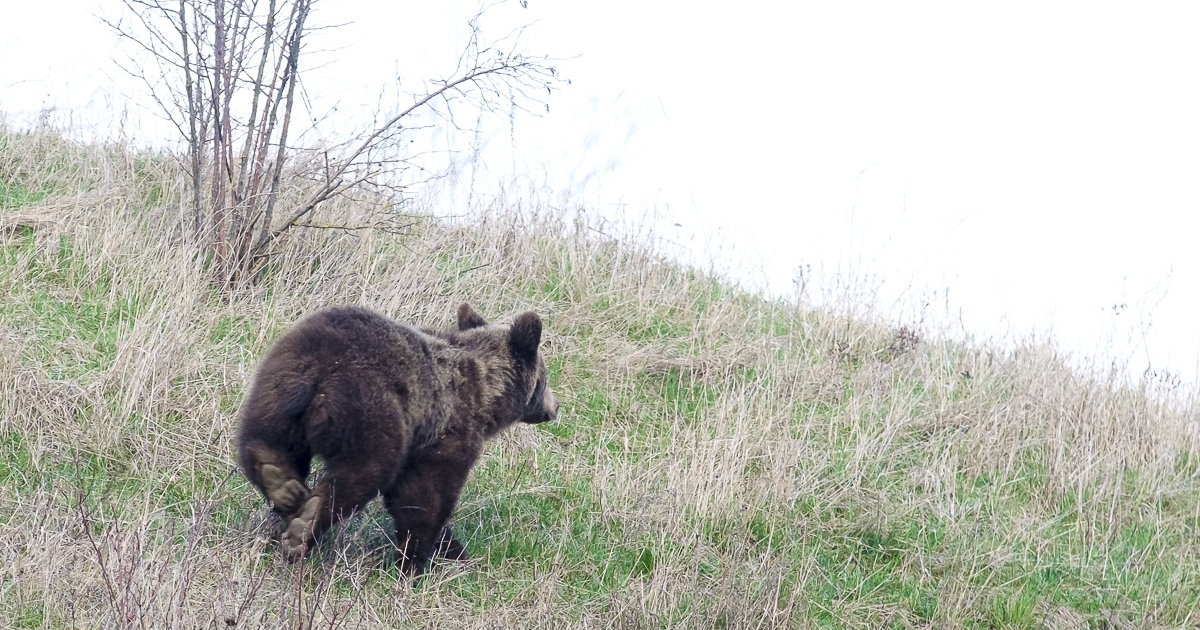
374 382
350 337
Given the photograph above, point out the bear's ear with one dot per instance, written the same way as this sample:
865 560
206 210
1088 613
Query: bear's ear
468 318
525 335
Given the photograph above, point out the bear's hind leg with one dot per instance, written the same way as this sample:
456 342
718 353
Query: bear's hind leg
298 532
343 490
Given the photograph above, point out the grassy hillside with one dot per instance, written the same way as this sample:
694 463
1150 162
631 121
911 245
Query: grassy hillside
720 460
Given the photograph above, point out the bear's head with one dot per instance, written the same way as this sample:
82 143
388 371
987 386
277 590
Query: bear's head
529 392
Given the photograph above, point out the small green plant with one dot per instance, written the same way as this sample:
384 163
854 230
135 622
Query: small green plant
1013 610
14 195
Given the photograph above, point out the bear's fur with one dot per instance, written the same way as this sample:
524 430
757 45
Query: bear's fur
391 410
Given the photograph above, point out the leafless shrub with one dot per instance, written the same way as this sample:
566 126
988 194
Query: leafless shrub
225 74
904 339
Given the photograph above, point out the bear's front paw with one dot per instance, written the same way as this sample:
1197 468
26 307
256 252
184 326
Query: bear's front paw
411 568
449 547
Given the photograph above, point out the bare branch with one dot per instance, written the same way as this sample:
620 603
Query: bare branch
505 67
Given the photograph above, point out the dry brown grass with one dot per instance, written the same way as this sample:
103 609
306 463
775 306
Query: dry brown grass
721 460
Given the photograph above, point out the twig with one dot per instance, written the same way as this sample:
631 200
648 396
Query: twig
389 229
325 192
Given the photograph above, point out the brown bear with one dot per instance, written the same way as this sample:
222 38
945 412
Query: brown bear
390 409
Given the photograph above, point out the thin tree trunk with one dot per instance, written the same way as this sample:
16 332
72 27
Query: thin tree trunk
194 142
258 133
290 78
219 137
247 188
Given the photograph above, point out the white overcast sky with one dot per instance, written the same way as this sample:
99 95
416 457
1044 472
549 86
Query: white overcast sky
1040 161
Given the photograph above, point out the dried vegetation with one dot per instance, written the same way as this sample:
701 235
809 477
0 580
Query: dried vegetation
721 459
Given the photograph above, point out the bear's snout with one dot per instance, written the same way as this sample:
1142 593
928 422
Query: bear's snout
547 412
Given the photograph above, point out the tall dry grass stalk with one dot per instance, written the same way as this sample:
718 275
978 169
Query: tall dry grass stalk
721 459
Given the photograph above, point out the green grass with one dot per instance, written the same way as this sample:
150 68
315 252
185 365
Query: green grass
68 306
14 195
